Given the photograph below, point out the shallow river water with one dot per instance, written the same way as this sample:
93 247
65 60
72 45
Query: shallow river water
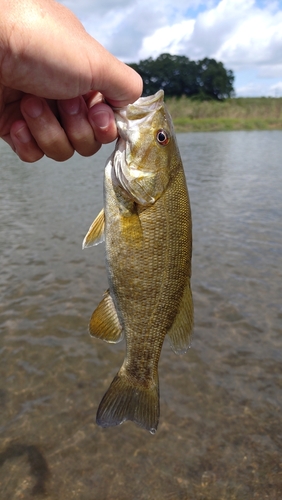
220 430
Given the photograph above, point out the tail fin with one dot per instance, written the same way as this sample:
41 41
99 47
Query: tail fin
125 401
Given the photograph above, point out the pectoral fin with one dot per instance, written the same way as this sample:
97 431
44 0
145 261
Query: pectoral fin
148 187
144 187
95 233
104 322
181 331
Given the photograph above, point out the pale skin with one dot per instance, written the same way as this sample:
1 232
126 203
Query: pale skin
54 81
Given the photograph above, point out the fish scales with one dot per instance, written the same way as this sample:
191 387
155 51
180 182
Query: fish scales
147 231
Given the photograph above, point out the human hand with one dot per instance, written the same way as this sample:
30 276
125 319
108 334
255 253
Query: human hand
54 78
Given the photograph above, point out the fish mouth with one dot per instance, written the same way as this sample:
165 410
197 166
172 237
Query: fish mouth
132 116
147 103
132 121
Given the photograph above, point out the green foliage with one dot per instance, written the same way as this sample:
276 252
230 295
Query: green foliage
178 76
215 81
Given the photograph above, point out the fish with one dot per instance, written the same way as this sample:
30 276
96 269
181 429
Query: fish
147 228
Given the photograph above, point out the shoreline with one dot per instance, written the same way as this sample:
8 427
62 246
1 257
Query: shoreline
264 113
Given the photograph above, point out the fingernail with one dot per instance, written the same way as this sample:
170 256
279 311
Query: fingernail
101 119
33 107
71 106
23 135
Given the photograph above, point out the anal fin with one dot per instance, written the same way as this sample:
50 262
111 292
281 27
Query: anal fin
95 233
181 331
104 323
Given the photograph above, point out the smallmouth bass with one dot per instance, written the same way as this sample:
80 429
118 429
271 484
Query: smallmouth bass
147 228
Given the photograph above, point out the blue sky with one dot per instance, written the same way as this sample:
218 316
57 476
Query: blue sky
246 35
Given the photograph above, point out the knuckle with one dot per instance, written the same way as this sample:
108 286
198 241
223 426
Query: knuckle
30 156
60 155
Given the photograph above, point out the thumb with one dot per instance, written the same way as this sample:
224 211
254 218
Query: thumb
118 83
47 52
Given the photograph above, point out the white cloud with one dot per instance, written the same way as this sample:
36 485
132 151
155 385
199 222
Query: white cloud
260 88
276 89
256 41
236 32
270 71
243 34
213 27
82 8
171 39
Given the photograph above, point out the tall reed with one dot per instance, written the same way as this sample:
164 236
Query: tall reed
264 113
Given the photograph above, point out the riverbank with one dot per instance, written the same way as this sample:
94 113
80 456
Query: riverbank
243 113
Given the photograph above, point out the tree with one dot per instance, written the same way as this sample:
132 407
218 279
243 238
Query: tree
215 82
178 75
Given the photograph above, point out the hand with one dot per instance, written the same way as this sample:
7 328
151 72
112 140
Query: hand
54 79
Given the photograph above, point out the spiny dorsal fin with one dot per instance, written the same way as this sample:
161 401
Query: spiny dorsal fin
95 233
104 323
181 331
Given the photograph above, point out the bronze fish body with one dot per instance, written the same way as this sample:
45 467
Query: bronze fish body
146 224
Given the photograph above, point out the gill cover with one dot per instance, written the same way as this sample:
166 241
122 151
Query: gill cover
142 151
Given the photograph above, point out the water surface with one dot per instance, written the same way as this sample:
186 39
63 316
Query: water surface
219 435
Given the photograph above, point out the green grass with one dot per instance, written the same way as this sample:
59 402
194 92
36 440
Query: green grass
248 113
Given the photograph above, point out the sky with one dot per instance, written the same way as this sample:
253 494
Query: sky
245 35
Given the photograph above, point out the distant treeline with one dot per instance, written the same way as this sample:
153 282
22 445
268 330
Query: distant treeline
179 76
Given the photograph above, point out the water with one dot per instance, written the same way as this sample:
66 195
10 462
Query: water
219 435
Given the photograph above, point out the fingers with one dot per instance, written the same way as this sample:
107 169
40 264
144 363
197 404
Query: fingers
102 119
87 129
80 129
23 143
39 132
45 130
58 130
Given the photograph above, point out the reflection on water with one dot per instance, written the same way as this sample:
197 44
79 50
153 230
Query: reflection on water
220 428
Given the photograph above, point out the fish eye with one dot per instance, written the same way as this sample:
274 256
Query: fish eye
162 137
